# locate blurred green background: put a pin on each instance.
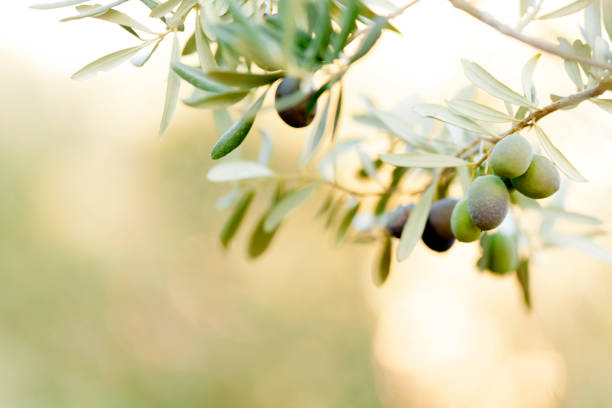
(116, 292)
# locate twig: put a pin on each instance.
(534, 42)
(570, 100)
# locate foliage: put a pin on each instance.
(244, 47)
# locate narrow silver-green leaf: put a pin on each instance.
(164, 8)
(235, 219)
(236, 134)
(482, 79)
(229, 199)
(522, 275)
(368, 165)
(56, 4)
(140, 59)
(605, 104)
(265, 151)
(558, 158)
(207, 60)
(316, 134)
(527, 78)
(415, 225)
(173, 88)
(95, 11)
(285, 206)
(198, 78)
(116, 17)
(384, 262)
(582, 244)
(371, 37)
(606, 9)
(422, 160)
(238, 170)
(216, 101)
(524, 6)
(107, 62)
(445, 115)
(243, 80)
(478, 111)
(346, 222)
(571, 8)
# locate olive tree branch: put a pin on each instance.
(516, 34)
(570, 100)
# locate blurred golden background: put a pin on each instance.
(117, 293)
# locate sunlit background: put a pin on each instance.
(116, 291)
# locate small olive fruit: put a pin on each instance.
(487, 202)
(511, 156)
(501, 254)
(541, 179)
(438, 234)
(397, 219)
(298, 115)
(462, 225)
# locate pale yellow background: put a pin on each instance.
(116, 293)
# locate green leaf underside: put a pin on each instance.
(243, 80)
(482, 79)
(106, 63)
(384, 262)
(285, 206)
(571, 8)
(558, 158)
(216, 100)
(238, 170)
(235, 219)
(172, 91)
(236, 134)
(346, 222)
(196, 77)
(413, 229)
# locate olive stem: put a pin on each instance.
(570, 100)
(518, 35)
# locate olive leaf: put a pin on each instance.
(415, 225)
(164, 8)
(95, 11)
(368, 41)
(482, 79)
(243, 80)
(606, 8)
(346, 222)
(522, 275)
(107, 62)
(527, 78)
(236, 134)
(198, 78)
(116, 17)
(445, 115)
(57, 4)
(384, 262)
(140, 59)
(216, 100)
(285, 206)
(260, 238)
(347, 24)
(238, 170)
(478, 111)
(558, 158)
(172, 90)
(233, 223)
(605, 104)
(422, 159)
(571, 8)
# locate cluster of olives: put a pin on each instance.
(486, 205)
(299, 115)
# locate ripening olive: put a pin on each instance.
(462, 225)
(397, 219)
(300, 114)
(487, 202)
(541, 179)
(501, 254)
(511, 156)
(438, 234)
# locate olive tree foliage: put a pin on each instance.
(247, 47)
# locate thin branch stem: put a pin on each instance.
(570, 100)
(516, 34)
